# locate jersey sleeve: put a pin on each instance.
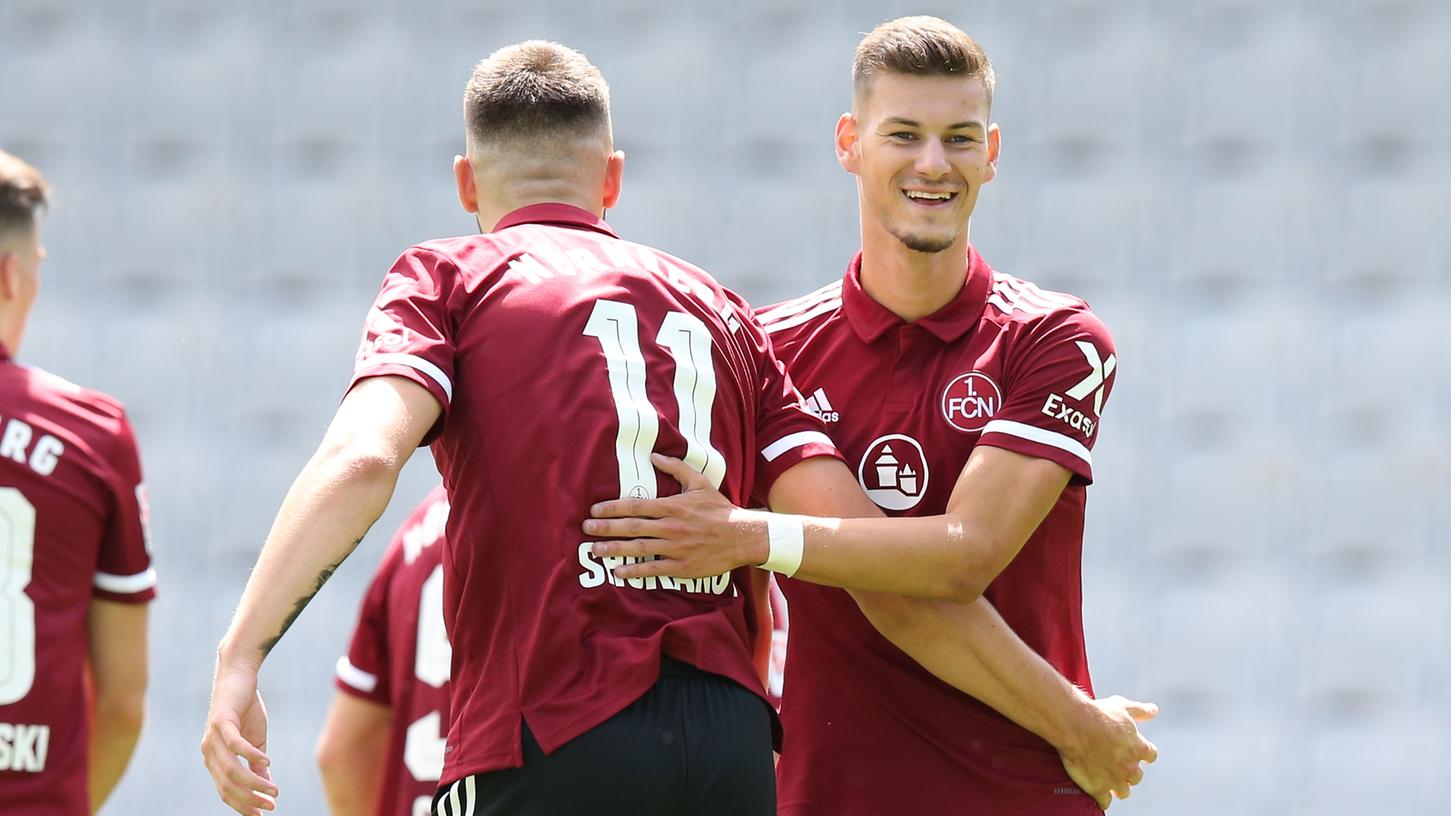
(787, 432)
(1057, 392)
(409, 329)
(363, 670)
(124, 571)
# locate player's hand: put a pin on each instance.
(696, 534)
(237, 727)
(1105, 761)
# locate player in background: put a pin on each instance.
(381, 749)
(964, 398)
(75, 571)
(544, 361)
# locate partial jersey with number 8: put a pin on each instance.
(562, 356)
(72, 528)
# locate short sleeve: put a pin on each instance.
(363, 670)
(1060, 383)
(787, 432)
(409, 329)
(124, 571)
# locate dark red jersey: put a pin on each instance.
(562, 356)
(72, 529)
(868, 731)
(399, 657)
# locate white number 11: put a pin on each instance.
(617, 327)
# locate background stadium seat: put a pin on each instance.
(1251, 195)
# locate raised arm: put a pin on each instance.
(118, 658)
(339, 494)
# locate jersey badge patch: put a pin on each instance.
(970, 400)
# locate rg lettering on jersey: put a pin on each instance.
(42, 457)
(23, 747)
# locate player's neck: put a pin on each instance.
(10, 334)
(912, 285)
(492, 212)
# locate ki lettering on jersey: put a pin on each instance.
(819, 405)
(970, 400)
(23, 747)
(599, 572)
(16, 444)
(893, 472)
(1099, 370)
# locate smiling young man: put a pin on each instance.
(965, 399)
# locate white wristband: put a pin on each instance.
(787, 541)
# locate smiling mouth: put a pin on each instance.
(923, 198)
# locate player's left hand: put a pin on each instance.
(237, 728)
(696, 534)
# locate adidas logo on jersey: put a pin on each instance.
(819, 405)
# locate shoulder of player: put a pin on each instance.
(1022, 305)
(101, 409)
(460, 250)
(785, 319)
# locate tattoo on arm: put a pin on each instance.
(303, 601)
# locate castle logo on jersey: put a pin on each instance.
(970, 400)
(893, 472)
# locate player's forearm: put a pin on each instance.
(936, 557)
(970, 647)
(328, 510)
(114, 732)
(350, 780)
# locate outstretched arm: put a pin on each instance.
(339, 494)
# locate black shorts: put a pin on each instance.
(696, 744)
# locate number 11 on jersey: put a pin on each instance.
(616, 326)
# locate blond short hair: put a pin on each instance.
(920, 46)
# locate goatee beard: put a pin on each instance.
(926, 244)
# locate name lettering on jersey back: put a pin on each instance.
(42, 457)
(598, 573)
(23, 747)
(545, 262)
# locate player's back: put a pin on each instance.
(399, 657)
(564, 356)
(70, 531)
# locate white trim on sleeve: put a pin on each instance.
(416, 363)
(126, 584)
(792, 441)
(1032, 433)
(356, 677)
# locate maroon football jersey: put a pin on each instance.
(868, 731)
(72, 528)
(562, 356)
(399, 657)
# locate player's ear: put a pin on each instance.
(848, 145)
(614, 178)
(994, 149)
(463, 176)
